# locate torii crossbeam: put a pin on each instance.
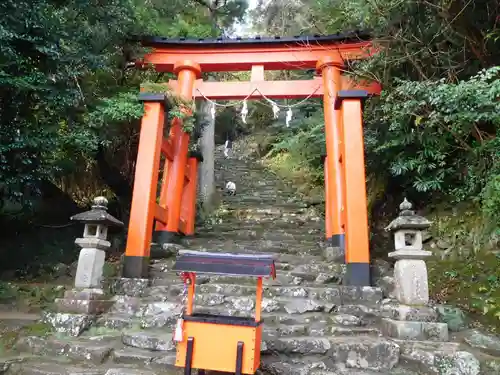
(173, 206)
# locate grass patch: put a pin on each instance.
(471, 283)
(9, 336)
(465, 269)
(30, 297)
(306, 180)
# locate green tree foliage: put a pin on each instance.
(67, 98)
(435, 128)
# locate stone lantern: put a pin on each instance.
(410, 317)
(410, 270)
(81, 305)
(94, 242)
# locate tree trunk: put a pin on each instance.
(207, 147)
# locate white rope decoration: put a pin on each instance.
(289, 115)
(212, 110)
(244, 110)
(276, 110)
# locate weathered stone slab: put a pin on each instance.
(346, 320)
(486, 342)
(246, 304)
(126, 305)
(57, 369)
(130, 287)
(407, 330)
(128, 371)
(116, 321)
(305, 345)
(165, 361)
(41, 345)
(365, 352)
(84, 294)
(132, 356)
(149, 340)
(71, 324)
(301, 306)
(453, 316)
(80, 306)
(409, 313)
(95, 352)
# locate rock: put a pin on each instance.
(410, 313)
(304, 345)
(159, 321)
(442, 244)
(130, 287)
(96, 352)
(128, 371)
(211, 299)
(486, 342)
(346, 320)
(458, 363)
(270, 305)
(406, 330)
(365, 352)
(156, 308)
(325, 278)
(246, 304)
(491, 367)
(387, 284)
(149, 340)
(334, 254)
(453, 316)
(72, 324)
(438, 358)
(302, 306)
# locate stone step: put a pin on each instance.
(156, 340)
(291, 247)
(156, 360)
(247, 304)
(152, 340)
(298, 365)
(158, 269)
(158, 365)
(94, 350)
(265, 232)
(236, 203)
(164, 315)
(319, 273)
(280, 259)
(283, 278)
(355, 352)
(332, 294)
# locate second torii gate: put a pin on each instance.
(345, 187)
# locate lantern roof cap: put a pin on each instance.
(98, 214)
(408, 219)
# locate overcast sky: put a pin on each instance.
(243, 29)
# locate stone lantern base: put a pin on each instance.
(77, 310)
(412, 323)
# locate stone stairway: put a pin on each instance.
(314, 325)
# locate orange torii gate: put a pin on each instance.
(173, 208)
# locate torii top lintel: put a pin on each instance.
(240, 54)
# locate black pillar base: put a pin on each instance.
(357, 274)
(136, 267)
(337, 241)
(189, 356)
